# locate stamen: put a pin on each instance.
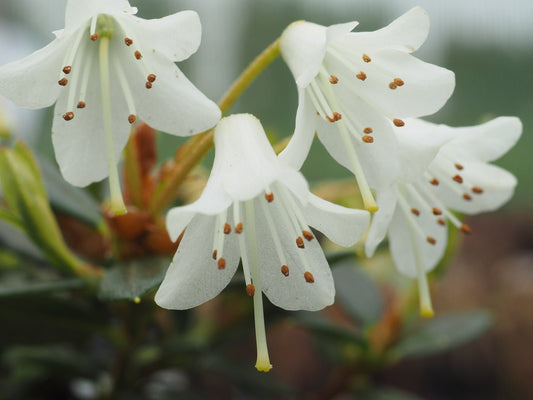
(148, 85)
(431, 240)
(269, 197)
(273, 233)
(336, 117)
(151, 78)
(367, 139)
(393, 85)
(117, 203)
(434, 181)
(398, 122)
(437, 211)
(250, 290)
(67, 70)
(238, 228)
(399, 81)
(126, 91)
(132, 118)
(308, 235)
(68, 116)
(92, 29)
(361, 76)
(227, 228)
(366, 58)
(215, 254)
(221, 263)
(218, 237)
(465, 229)
(368, 130)
(81, 104)
(242, 244)
(309, 278)
(128, 41)
(63, 82)
(467, 197)
(458, 178)
(333, 80)
(441, 221)
(138, 54)
(94, 37)
(87, 68)
(415, 211)
(285, 270)
(300, 242)
(477, 190)
(458, 166)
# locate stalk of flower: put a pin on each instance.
(134, 62)
(351, 85)
(259, 210)
(441, 169)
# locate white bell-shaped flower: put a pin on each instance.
(256, 209)
(352, 84)
(106, 69)
(441, 169)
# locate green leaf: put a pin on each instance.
(129, 280)
(322, 326)
(443, 333)
(11, 218)
(67, 198)
(357, 293)
(385, 394)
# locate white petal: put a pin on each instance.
(175, 36)
(304, 132)
(409, 247)
(32, 81)
(173, 104)
(386, 200)
(339, 31)
(303, 47)
(418, 144)
(193, 277)
(485, 142)
(379, 160)
(244, 156)
(344, 226)
(212, 201)
(497, 185)
(406, 33)
(79, 144)
(78, 12)
(291, 292)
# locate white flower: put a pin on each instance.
(441, 168)
(256, 209)
(351, 84)
(104, 70)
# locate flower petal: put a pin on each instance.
(175, 36)
(418, 144)
(193, 277)
(291, 292)
(344, 226)
(79, 144)
(386, 200)
(78, 12)
(485, 142)
(244, 156)
(406, 33)
(303, 47)
(408, 239)
(304, 132)
(497, 187)
(32, 81)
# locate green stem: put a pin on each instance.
(198, 146)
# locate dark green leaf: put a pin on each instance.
(357, 293)
(443, 333)
(21, 287)
(322, 326)
(129, 280)
(385, 394)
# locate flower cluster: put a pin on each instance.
(360, 92)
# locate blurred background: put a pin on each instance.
(487, 44)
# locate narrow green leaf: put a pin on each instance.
(129, 280)
(19, 288)
(443, 333)
(357, 293)
(11, 218)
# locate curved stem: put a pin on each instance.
(192, 152)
